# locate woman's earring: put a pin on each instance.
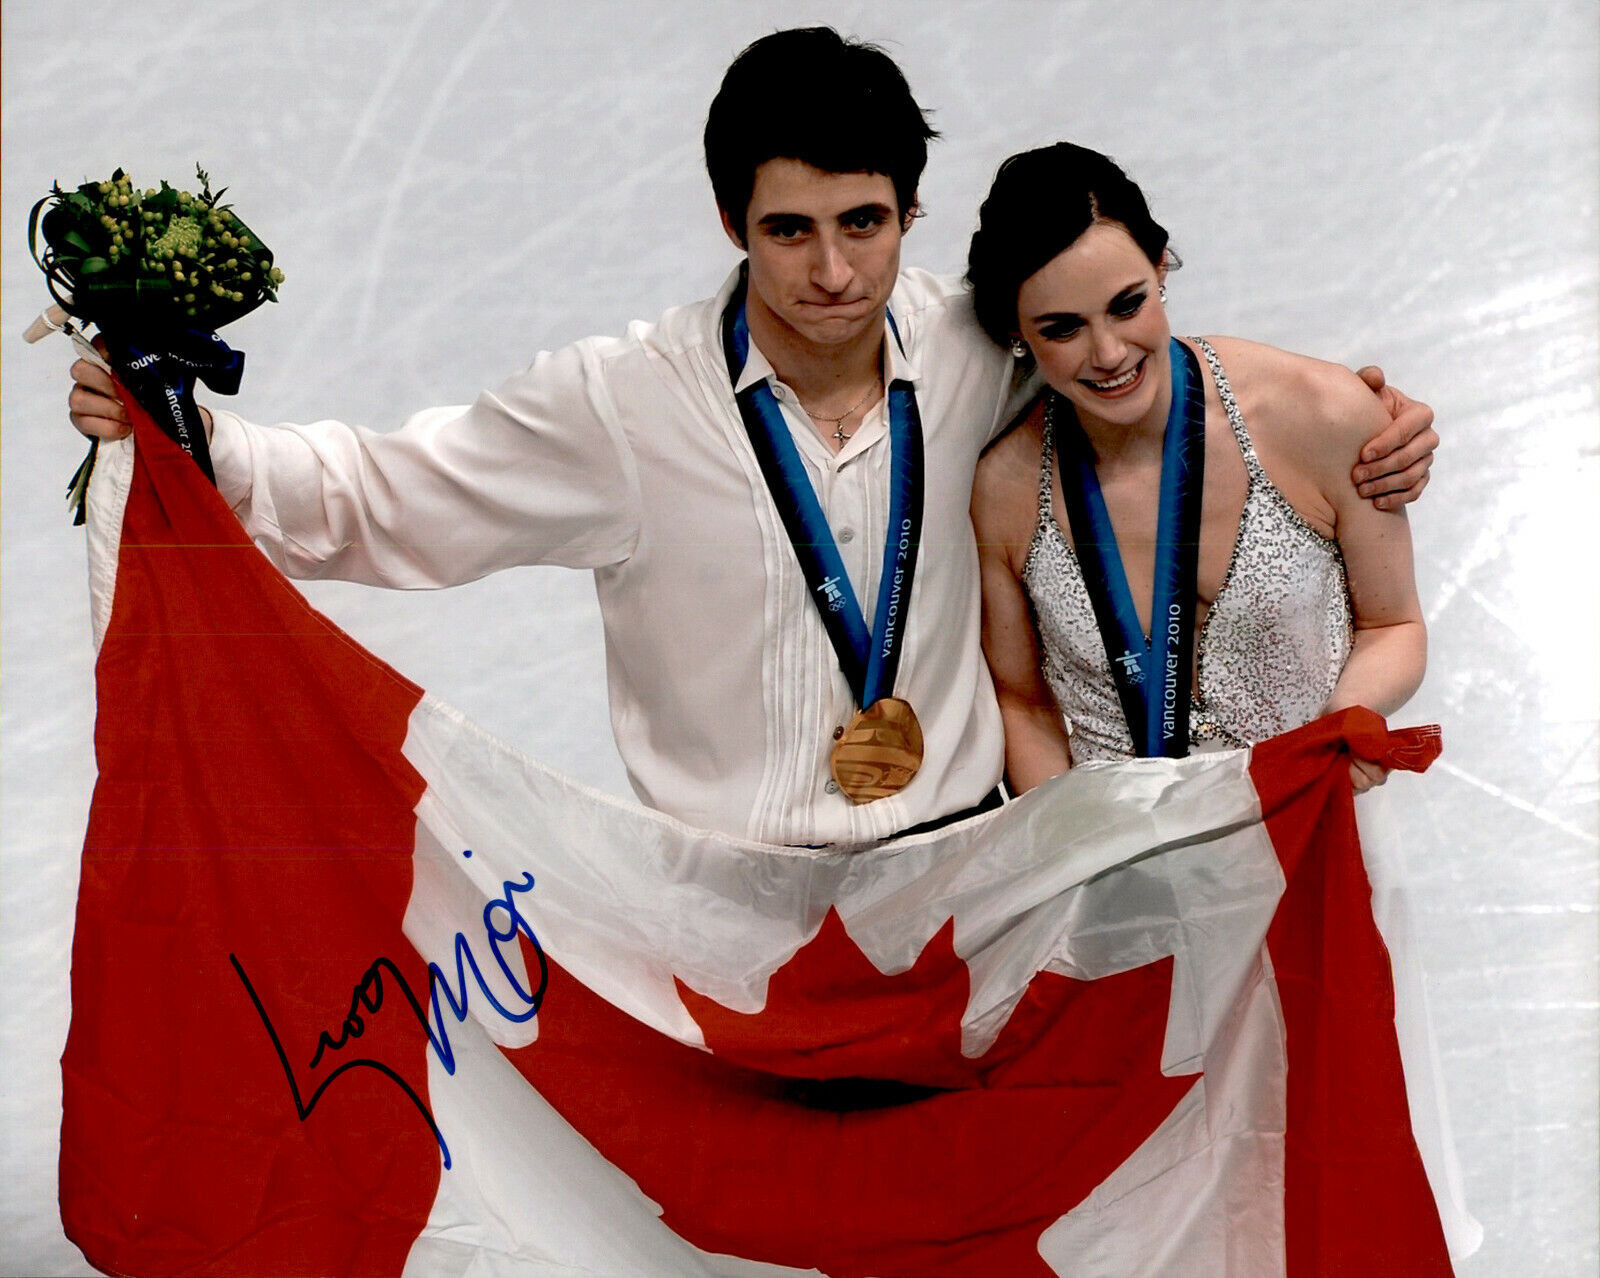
(1161, 292)
(1019, 348)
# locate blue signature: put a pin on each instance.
(502, 923)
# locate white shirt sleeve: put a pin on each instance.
(537, 471)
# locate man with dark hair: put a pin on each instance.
(859, 117)
(771, 485)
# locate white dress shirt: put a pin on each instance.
(628, 456)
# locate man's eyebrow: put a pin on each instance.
(774, 219)
(874, 207)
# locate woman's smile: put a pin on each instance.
(1121, 384)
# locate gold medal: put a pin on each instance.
(879, 751)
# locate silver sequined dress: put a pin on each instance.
(1271, 648)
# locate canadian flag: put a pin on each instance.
(358, 989)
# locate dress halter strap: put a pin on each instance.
(1046, 477)
(1252, 463)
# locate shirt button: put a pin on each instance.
(781, 392)
(832, 787)
(847, 535)
(837, 733)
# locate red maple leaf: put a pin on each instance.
(842, 1128)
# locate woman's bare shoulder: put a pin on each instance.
(1014, 457)
(1005, 488)
(1313, 413)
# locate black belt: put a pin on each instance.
(994, 799)
(988, 803)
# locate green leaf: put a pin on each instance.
(139, 286)
(78, 486)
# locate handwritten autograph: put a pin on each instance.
(502, 923)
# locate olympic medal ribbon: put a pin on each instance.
(889, 738)
(870, 661)
(1151, 673)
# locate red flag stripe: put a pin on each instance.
(252, 802)
(1357, 1200)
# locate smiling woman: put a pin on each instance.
(1250, 538)
(1171, 559)
(1098, 358)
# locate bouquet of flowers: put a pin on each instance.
(157, 272)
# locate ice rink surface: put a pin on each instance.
(451, 187)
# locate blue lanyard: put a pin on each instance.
(869, 659)
(1151, 673)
